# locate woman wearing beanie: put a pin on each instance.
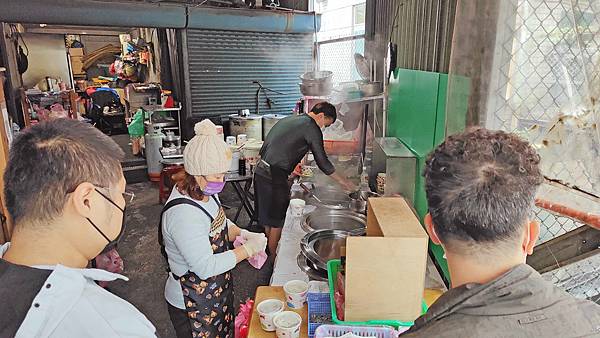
(196, 235)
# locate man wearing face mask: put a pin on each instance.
(481, 186)
(195, 234)
(65, 192)
(285, 146)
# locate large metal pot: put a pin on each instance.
(322, 246)
(371, 88)
(269, 121)
(317, 76)
(316, 89)
(250, 125)
(329, 219)
(317, 83)
(313, 272)
(358, 200)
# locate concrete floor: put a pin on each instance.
(145, 266)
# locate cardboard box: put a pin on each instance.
(385, 271)
(76, 51)
(77, 65)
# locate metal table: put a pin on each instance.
(245, 195)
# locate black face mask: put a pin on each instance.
(111, 243)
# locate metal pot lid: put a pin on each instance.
(313, 274)
(333, 219)
(362, 66)
(249, 117)
(274, 116)
(322, 246)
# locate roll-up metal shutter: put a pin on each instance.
(222, 65)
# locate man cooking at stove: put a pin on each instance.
(285, 146)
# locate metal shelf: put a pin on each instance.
(367, 98)
(359, 99)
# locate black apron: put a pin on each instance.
(209, 302)
(272, 195)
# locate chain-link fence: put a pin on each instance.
(553, 225)
(544, 86)
(579, 279)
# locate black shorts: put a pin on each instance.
(272, 197)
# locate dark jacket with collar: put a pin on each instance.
(519, 303)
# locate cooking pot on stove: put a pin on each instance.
(358, 200)
(331, 197)
(331, 219)
(319, 247)
(310, 269)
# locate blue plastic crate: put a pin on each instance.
(318, 306)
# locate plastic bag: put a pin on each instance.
(110, 261)
(242, 320)
(340, 296)
(136, 127)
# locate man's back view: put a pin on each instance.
(481, 187)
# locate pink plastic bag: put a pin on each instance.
(111, 262)
(257, 261)
(242, 320)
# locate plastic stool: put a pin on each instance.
(165, 183)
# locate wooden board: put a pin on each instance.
(568, 248)
(385, 271)
(393, 217)
(276, 292)
(431, 295)
(385, 278)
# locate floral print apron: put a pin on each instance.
(209, 302)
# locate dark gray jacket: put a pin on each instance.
(520, 303)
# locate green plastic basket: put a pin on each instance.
(333, 266)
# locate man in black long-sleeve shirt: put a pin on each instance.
(285, 146)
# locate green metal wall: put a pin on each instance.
(417, 116)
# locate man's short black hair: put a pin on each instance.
(48, 160)
(326, 108)
(481, 186)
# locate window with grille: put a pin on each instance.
(341, 36)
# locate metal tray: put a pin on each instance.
(312, 271)
(332, 219)
(322, 246)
